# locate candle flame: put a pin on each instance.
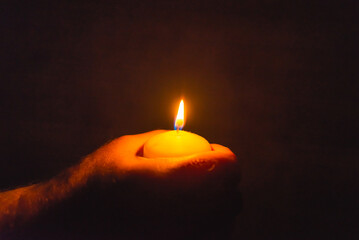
(179, 123)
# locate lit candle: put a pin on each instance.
(176, 143)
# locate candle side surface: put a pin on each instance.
(175, 144)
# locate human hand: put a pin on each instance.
(124, 156)
(164, 183)
(175, 193)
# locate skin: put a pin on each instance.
(118, 158)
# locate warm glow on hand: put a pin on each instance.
(125, 155)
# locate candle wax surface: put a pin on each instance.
(175, 144)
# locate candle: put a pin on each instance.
(176, 143)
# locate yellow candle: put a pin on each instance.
(175, 143)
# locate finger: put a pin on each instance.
(230, 161)
(130, 144)
(133, 144)
(220, 148)
(143, 137)
(124, 147)
(221, 159)
(219, 154)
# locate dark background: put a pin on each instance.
(273, 80)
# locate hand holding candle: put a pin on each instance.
(124, 155)
(176, 180)
(162, 151)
